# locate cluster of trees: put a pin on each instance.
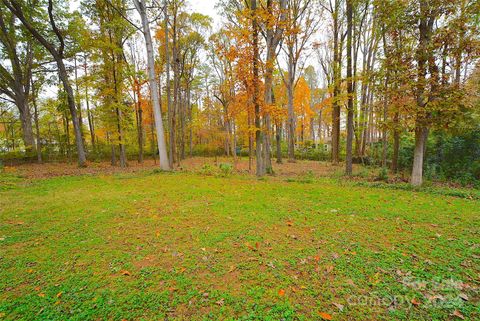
(131, 77)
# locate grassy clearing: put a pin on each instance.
(156, 246)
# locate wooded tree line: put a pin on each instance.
(351, 79)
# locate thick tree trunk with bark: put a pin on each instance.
(421, 134)
(73, 112)
(273, 38)
(26, 122)
(424, 57)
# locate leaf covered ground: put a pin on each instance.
(188, 246)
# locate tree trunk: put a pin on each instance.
(121, 143)
(77, 99)
(291, 112)
(423, 55)
(139, 118)
(273, 38)
(87, 103)
(162, 148)
(278, 136)
(26, 122)
(350, 93)
(396, 143)
(73, 111)
(37, 125)
(336, 90)
(260, 168)
(421, 134)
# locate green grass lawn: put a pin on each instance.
(180, 246)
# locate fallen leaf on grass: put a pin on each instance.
(59, 294)
(338, 306)
(250, 247)
(125, 272)
(457, 314)
(329, 268)
(42, 295)
(325, 316)
(415, 302)
(463, 296)
(290, 223)
(220, 302)
(436, 297)
(281, 292)
(232, 268)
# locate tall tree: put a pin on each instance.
(302, 23)
(15, 79)
(162, 148)
(350, 93)
(58, 54)
(275, 26)
(260, 169)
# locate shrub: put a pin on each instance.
(226, 169)
(207, 169)
(383, 174)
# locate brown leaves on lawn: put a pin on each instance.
(457, 314)
(281, 292)
(329, 268)
(251, 247)
(338, 306)
(415, 302)
(463, 296)
(125, 272)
